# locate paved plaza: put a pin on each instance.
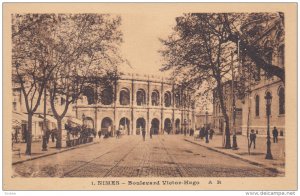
(130, 156)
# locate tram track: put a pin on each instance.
(94, 159)
(180, 169)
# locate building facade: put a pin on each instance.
(218, 122)
(271, 39)
(135, 103)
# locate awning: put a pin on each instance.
(75, 120)
(19, 118)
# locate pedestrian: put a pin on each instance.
(211, 134)
(53, 132)
(275, 135)
(252, 138)
(151, 131)
(144, 134)
(48, 133)
(202, 132)
(99, 134)
(206, 135)
(191, 132)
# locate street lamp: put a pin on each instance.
(206, 126)
(268, 98)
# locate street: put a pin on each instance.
(130, 156)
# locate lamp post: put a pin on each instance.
(268, 98)
(234, 142)
(206, 127)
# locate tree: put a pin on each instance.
(248, 29)
(30, 65)
(197, 52)
(91, 43)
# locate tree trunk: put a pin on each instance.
(29, 135)
(59, 133)
(226, 118)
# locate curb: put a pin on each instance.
(53, 153)
(256, 163)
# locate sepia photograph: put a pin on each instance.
(130, 96)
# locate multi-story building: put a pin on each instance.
(271, 39)
(135, 103)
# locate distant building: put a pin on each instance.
(202, 119)
(138, 102)
(218, 122)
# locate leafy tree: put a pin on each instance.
(30, 63)
(91, 43)
(197, 52)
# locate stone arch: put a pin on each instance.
(141, 97)
(140, 125)
(155, 98)
(124, 125)
(90, 95)
(124, 96)
(167, 99)
(89, 122)
(281, 100)
(168, 125)
(107, 96)
(106, 125)
(155, 126)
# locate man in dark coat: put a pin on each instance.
(202, 132)
(252, 138)
(99, 134)
(144, 134)
(211, 133)
(275, 135)
(206, 135)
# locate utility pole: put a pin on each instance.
(234, 142)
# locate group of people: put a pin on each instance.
(253, 137)
(207, 133)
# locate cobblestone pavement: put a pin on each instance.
(162, 156)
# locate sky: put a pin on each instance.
(141, 33)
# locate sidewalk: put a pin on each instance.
(256, 157)
(36, 150)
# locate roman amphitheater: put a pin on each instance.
(142, 102)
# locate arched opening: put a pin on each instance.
(140, 125)
(124, 96)
(167, 99)
(257, 105)
(281, 101)
(107, 96)
(177, 100)
(89, 122)
(155, 98)
(177, 125)
(125, 125)
(106, 125)
(140, 97)
(155, 126)
(281, 56)
(90, 95)
(168, 125)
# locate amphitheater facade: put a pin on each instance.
(136, 102)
